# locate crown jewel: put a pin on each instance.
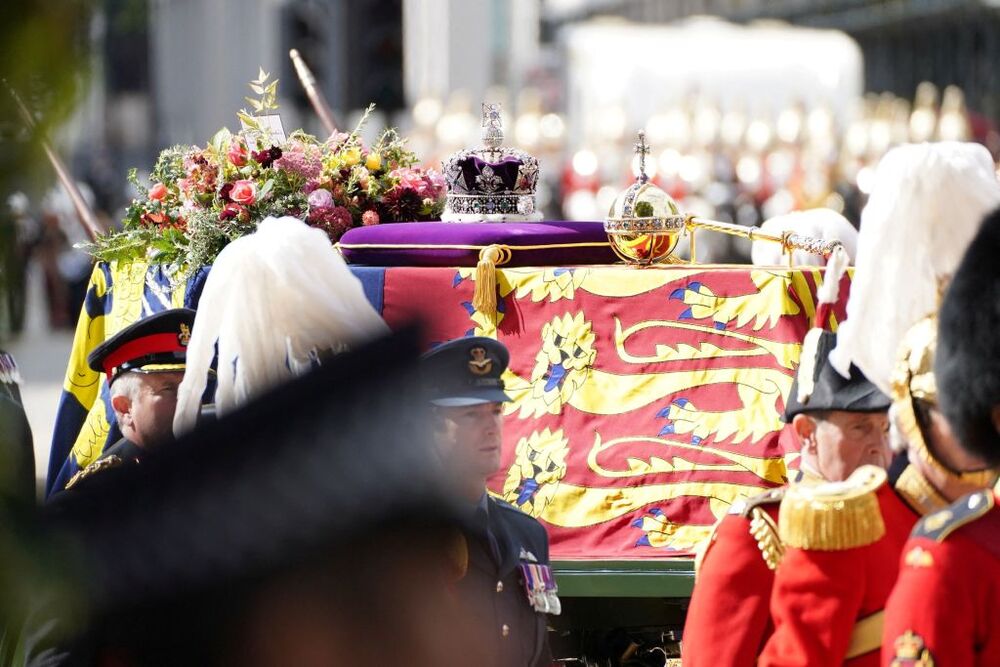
(491, 183)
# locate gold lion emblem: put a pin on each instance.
(184, 337)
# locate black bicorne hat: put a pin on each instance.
(819, 387)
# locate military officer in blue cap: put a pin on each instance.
(506, 577)
(143, 364)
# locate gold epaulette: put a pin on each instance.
(941, 524)
(834, 515)
(762, 528)
(97, 466)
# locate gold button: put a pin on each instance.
(499, 587)
(505, 630)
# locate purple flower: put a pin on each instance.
(267, 156)
(320, 198)
(304, 161)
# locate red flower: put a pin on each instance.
(158, 192)
(233, 212)
(153, 219)
(243, 192)
(267, 156)
(369, 218)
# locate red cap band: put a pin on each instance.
(142, 347)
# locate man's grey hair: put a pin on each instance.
(127, 384)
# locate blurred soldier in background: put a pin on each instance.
(17, 474)
(310, 527)
(945, 608)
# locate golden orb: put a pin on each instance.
(644, 225)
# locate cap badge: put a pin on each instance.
(911, 651)
(184, 337)
(480, 364)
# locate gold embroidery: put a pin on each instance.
(97, 466)
(918, 492)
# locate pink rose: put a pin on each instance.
(158, 192)
(237, 153)
(320, 198)
(369, 218)
(244, 192)
(436, 180)
(409, 179)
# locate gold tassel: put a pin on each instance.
(833, 516)
(485, 296)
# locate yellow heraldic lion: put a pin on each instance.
(548, 283)
(755, 418)
(539, 464)
(772, 289)
(660, 533)
(562, 366)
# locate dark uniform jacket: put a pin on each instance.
(122, 454)
(500, 539)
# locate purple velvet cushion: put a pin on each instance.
(551, 243)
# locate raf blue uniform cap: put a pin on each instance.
(465, 371)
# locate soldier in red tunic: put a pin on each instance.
(945, 607)
(843, 540)
(841, 424)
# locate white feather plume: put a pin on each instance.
(927, 202)
(272, 299)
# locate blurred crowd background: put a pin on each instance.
(752, 108)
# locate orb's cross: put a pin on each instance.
(642, 150)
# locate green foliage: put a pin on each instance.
(267, 101)
(201, 199)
